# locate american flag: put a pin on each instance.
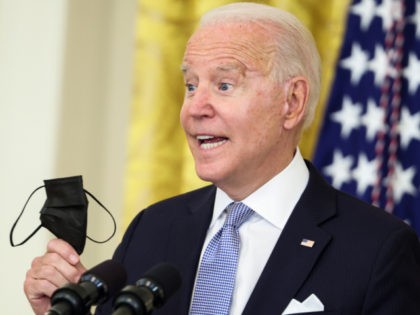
(369, 143)
(307, 243)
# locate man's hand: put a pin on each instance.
(58, 266)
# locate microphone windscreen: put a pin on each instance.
(109, 273)
(167, 276)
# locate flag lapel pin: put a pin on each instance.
(307, 243)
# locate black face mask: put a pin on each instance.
(64, 213)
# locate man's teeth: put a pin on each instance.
(202, 138)
(210, 142)
(212, 145)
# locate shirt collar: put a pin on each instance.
(276, 199)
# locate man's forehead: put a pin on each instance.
(231, 46)
(232, 27)
(243, 33)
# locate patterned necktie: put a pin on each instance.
(216, 275)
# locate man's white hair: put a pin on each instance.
(297, 53)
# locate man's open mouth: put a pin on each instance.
(209, 142)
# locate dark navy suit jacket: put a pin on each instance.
(363, 261)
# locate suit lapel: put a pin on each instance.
(290, 262)
(186, 240)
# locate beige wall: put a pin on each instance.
(65, 90)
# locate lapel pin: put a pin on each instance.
(307, 243)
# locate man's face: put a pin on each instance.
(233, 111)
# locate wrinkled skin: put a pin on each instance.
(58, 266)
(241, 124)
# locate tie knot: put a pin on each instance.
(237, 213)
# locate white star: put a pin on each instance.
(366, 10)
(373, 120)
(388, 11)
(379, 65)
(409, 127)
(412, 73)
(348, 116)
(339, 170)
(356, 63)
(364, 174)
(402, 182)
(415, 19)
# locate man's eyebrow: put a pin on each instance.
(222, 68)
(184, 68)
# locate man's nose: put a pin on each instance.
(201, 103)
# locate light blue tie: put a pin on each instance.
(216, 275)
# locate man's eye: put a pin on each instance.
(190, 87)
(224, 86)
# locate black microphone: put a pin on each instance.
(150, 292)
(94, 287)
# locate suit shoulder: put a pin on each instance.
(367, 221)
(180, 203)
(350, 210)
(185, 198)
(347, 213)
(365, 210)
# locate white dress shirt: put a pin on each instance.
(273, 203)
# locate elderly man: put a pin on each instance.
(270, 236)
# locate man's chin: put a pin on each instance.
(208, 174)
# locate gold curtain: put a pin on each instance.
(159, 164)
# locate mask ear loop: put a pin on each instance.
(18, 218)
(36, 229)
(110, 214)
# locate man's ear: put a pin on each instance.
(297, 93)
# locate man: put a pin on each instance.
(252, 81)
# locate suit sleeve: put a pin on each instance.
(394, 287)
(106, 307)
(121, 250)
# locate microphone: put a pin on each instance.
(94, 287)
(150, 292)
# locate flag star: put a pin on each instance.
(402, 182)
(412, 73)
(364, 173)
(379, 65)
(388, 11)
(415, 18)
(373, 120)
(366, 10)
(339, 169)
(356, 63)
(409, 127)
(348, 116)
